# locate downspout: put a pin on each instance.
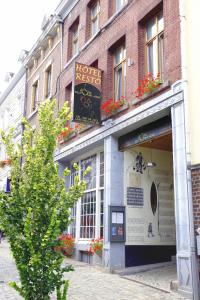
(184, 73)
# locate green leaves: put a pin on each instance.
(37, 209)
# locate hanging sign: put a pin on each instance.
(87, 94)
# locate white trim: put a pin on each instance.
(42, 62)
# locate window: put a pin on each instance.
(154, 45)
(34, 96)
(91, 222)
(48, 74)
(72, 228)
(75, 37)
(95, 10)
(119, 72)
(119, 4)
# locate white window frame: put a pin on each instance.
(119, 4)
(75, 40)
(121, 64)
(34, 96)
(154, 40)
(97, 190)
(94, 18)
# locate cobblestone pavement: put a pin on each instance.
(159, 278)
(86, 282)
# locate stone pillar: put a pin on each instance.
(114, 252)
(185, 240)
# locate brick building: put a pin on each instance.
(43, 65)
(138, 195)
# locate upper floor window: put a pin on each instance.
(48, 76)
(75, 39)
(119, 72)
(155, 45)
(34, 96)
(119, 4)
(95, 11)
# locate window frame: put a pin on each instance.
(118, 6)
(159, 68)
(97, 190)
(34, 96)
(116, 67)
(48, 82)
(94, 18)
(75, 39)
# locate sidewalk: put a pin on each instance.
(86, 282)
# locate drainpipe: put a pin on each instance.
(184, 73)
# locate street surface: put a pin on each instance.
(86, 283)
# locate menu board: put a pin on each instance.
(135, 196)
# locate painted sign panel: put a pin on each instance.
(145, 133)
(87, 94)
(135, 196)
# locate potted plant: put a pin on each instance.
(65, 244)
(110, 107)
(147, 85)
(96, 246)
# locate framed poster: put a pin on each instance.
(117, 223)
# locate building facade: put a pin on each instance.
(145, 167)
(12, 103)
(139, 194)
(43, 65)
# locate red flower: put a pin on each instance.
(147, 85)
(110, 106)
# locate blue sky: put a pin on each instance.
(20, 23)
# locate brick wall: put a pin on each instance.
(52, 56)
(127, 24)
(196, 195)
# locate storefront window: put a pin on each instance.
(88, 215)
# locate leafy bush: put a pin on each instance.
(36, 211)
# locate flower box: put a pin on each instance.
(163, 86)
(147, 85)
(111, 107)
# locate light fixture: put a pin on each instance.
(150, 164)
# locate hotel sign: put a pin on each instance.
(87, 94)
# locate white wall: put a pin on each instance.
(138, 218)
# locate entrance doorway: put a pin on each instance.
(150, 213)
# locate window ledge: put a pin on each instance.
(33, 113)
(165, 85)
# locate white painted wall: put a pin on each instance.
(11, 112)
(138, 218)
(192, 50)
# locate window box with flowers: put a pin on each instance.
(149, 86)
(65, 245)
(96, 247)
(95, 250)
(111, 107)
(70, 130)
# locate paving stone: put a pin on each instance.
(86, 282)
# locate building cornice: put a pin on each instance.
(47, 32)
(12, 84)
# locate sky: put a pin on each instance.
(20, 27)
